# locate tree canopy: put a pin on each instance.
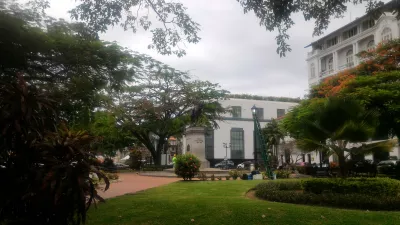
(171, 25)
(164, 101)
(338, 126)
(375, 82)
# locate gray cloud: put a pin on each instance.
(234, 51)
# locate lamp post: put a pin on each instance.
(226, 146)
(254, 111)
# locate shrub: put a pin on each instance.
(366, 186)
(235, 174)
(244, 176)
(352, 201)
(187, 166)
(213, 177)
(227, 177)
(219, 178)
(285, 185)
(282, 174)
(108, 163)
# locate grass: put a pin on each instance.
(220, 202)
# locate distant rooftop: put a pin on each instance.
(264, 98)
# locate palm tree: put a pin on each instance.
(273, 136)
(335, 126)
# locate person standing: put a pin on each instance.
(174, 161)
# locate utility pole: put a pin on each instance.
(226, 146)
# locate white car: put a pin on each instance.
(240, 166)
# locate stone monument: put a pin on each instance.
(195, 144)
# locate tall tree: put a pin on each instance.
(66, 59)
(375, 82)
(273, 136)
(174, 26)
(334, 126)
(164, 102)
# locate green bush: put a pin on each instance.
(235, 174)
(187, 166)
(244, 176)
(228, 177)
(366, 186)
(213, 177)
(219, 178)
(351, 201)
(283, 185)
(282, 174)
(301, 169)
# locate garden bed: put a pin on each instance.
(362, 193)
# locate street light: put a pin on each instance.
(226, 146)
(254, 110)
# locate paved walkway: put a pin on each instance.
(131, 183)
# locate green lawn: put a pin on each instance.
(220, 202)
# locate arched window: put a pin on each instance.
(370, 45)
(312, 70)
(330, 65)
(386, 34)
(349, 58)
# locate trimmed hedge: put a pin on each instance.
(155, 168)
(291, 192)
(365, 186)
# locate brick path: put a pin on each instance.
(131, 182)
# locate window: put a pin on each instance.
(237, 143)
(368, 24)
(332, 42)
(312, 68)
(260, 113)
(280, 113)
(330, 65)
(209, 143)
(236, 111)
(386, 34)
(349, 58)
(350, 33)
(370, 45)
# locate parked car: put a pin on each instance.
(121, 166)
(388, 167)
(225, 164)
(244, 165)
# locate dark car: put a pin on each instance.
(388, 167)
(225, 164)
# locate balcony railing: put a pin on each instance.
(346, 66)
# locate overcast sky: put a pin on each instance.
(234, 51)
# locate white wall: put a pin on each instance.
(222, 135)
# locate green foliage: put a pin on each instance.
(274, 135)
(187, 166)
(235, 174)
(227, 177)
(244, 176)
(367, 186)
(315, 127)
(47, 164)
(135, 157)
(164, 102)
(358, 198)
(219, 178)
(282, 174)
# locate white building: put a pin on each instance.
(336, 51)
(237, 129)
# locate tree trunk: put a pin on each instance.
(342, 164)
